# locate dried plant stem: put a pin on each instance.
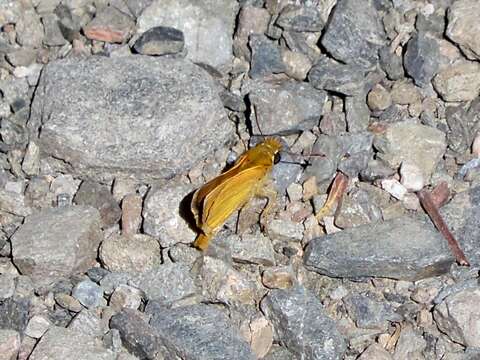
(432, 210)
(335, 195)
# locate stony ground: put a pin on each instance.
(113, 112)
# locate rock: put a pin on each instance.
(289, 106)
(160, 40)
(410, 345)
(422, 58)
(395, 146)
(253, 249)
(162, 214)
(132, 206)
(9, 344)
(460, 215)
(297, 65)
(110, 25)
(457, 316)
(59, 343)
(394, 188)
(10, 12)
(210, 335)
(7, 285)
(14, 203)
(357, 113)
(88, 322)
(375, 352)
(354, 33)
(29, 29)
(166, 283)
(357, 208)
(391, 63)
(368, 313)
(463, 27)
(137, 335)
(261, 336)
(57, 242)
(137, 6)
(98, 196)
(133, 253)
(266, 57)
(300, 19)
(53, 33)
(37, 326)
(184, 254)
(251, 20)
(286, 230)
(31, 160)
(68, 302)
(114, 279)
(88, 294)
(330, 75)
(403, 248)
(208, 26)
(301, 324)
(124, 100)
(405, 93)
(412, 177)
(379, 98)
(278, 278)
(22, 57)
(125, 296)
(458, 82)
(14, 314)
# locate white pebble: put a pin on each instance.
(394, 188)
(412, 177)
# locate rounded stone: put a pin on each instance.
(379, 98)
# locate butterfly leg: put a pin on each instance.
(270, 194)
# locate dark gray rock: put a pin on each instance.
(69, 23)
(57, 242)
(232, 101)
(160, 40)
(391, 63)
(422, 59)
(266, 57)
(369, 313)
(88, 293)
(330, 75)
(433, 23)
(300, 18)
(286, 107)
(199, 332)
(53, 34)
(404, 248)
(301, 324)
(137, 116)
(376, 169)
(14, 314)
(286, 172)
(461, 215)
(99, 197)
(354, 33)
(137, 335)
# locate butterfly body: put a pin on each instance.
(213, 203)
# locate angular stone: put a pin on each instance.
(300, 19)
(253, 249)
(10, 12)
(458, 82)
(37, 326)
(57, 242)
(405, 93)
(286, 230)
(59, 343)
(29, 29)
(88, 322)
(463, 26)
(14, 203)
(357, 113)
(266, 57)
(379, 98)
(162, 214)
(137, 6)
(289, 106)
(9, 344)
(375, 352)
(297, 65)
(278, 278)
(132, 206)
(330, 75)
(200, 332)
(160, 98)
(422, 59)
(98, 196)
(357, 208)
(133, 253)
(301, 324)
(208, 26)
(395, 146)
(88, 293)
(53, 34)
(160, 40)
(391, 63)
(7, 285)
(14, 314)
(125, 296)
(110, 25)
(166, 283)
(354, 33)
(404, 248)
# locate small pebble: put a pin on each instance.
(278, 278)
(394, 188)
(37, 326)
(412, 176)
(379, 98)
(88, 293)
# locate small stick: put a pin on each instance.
(432, 211)
(339, 186)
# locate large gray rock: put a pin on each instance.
(57, 242)
(200, 332)
(463, 26)
(301, 324)
(207, 26)
(404, 248)
(59, 343)
(135, 115)
(354, 33)
(459, 82)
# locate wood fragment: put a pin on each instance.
(335, 195)
(432, 210)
